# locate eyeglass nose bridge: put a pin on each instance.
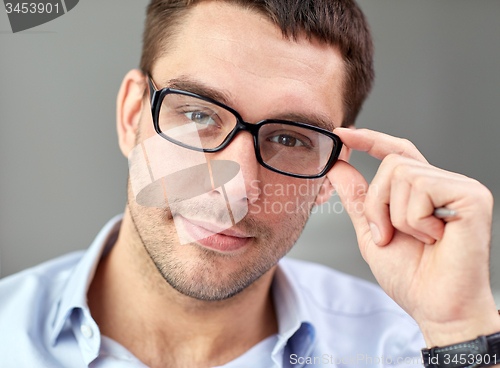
(243, 126)
(253, 129)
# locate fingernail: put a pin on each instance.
(375, 233)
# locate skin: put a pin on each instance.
(152, 295)
(438, 271)
(185, 314)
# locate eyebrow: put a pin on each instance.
(190, 85)
(317, 120)
(187, 84)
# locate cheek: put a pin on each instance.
(146, 127)
(285, 199)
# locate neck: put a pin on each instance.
(135, 306)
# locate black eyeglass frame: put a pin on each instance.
(156, 98)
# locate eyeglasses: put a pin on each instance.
(202, 124)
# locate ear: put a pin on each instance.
(327, 189)
(129, 106)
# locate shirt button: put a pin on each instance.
(86, 331)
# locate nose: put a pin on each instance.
(241, 150)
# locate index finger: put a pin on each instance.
(378, 145)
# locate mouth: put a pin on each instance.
(215, 237)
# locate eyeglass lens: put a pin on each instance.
(201, 124)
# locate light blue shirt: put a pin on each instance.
(325, 318)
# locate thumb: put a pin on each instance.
(351, 188)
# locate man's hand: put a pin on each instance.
(438, 271)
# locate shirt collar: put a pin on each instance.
(72, 304)
(296, 333)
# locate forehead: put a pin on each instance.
(242, 54)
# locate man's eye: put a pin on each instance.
(200, 117)
(286, 140)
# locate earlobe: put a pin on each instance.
(129, 107)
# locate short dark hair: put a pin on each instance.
(335, 22)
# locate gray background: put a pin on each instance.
(62, 175)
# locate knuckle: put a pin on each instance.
(400, 171)
(408, 147)
(391, 160)
(398, 216)
(412, 221)
(408, 144)
(399, 222)
(393, 157)
(358, 194)
(483, 193)
(420, 183)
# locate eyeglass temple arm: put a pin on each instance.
(152, 87)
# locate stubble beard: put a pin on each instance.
(202, 273)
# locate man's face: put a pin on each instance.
(244, 57)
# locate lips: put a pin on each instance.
(213, 236)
